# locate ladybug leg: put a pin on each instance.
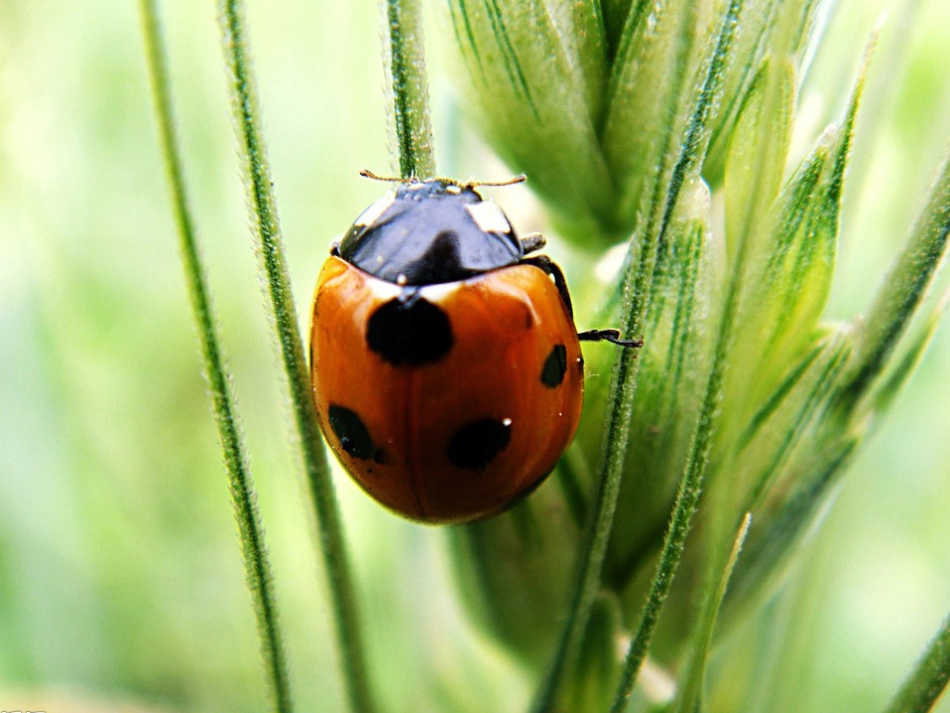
(608, 335)
(335, 248)
(532, 242)
(543, 262)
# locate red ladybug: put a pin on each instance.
(446, 368)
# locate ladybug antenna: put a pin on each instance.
(514, 180)
(366, 173)
(520, 178)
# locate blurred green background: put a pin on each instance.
(120, 577)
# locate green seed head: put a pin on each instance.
(668, 125)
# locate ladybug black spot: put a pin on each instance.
(476, 443)
(555, 366)
(352, 433)
(409, 330)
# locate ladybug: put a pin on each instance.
(446, 368)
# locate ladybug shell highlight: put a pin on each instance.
(449, 390)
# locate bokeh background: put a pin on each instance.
(121, 586)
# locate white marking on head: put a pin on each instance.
(371, 214)
(489, 217)
(453, 188)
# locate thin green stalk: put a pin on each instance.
(637, 283)
(684, 508)
(929, 679)
(604, 502)
(250, 530)
(333, 549)
(407, 74)
(687, 496)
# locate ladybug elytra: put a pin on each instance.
(446, 368)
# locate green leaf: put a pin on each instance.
(781, 519)
(589, 684)
(797, 274)
(513, 572)
(687, 165)
(790, 272)
(618, 15)
(582, 32)
(792, 453)
(789, 282)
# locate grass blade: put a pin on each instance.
(617, 16)
(281, 307)
(687, 502)
(798, 268)
(250, 529)
(637, 281)
(790, 273)
(927, 682)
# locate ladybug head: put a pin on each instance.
(429, 232)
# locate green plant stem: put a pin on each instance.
(407, 75)
(687, 496)
(929, 679)
(281, 304)
(603, 505)
(256, 564)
